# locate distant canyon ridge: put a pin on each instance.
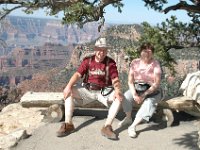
(32, 45)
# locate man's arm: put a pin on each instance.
(117, 87)
(67, 91)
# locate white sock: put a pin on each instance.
(112, 112)
(136, 121)
(69, 109)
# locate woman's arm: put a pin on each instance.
(157, 80)
(131, 84)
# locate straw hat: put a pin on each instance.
(101, 43)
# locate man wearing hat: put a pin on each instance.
(98, 72)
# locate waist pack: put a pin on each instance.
(104, 90)
(92, 86)
(142, 87)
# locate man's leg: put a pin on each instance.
(107, 130)
(69, 109)
(127, 105)
(112, 112)
(67, 127)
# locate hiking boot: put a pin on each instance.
(131, 132)
(126, 121)
(107, 131)
(65, 129)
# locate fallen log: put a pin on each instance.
(56, 112)
(182, 104)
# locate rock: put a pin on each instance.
(41, 99)
(198, 127)
(191, 86)
(14, 117)
(12, 139)
(47, 99)
(198, 143)
(17, 122)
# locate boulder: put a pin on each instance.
(198, 128)
(41, 99)
(14, 117)
(191, 86)
(47, 99)
(12, 139)
(17, 122)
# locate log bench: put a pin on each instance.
(55, 104)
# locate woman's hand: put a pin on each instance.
(138, 99)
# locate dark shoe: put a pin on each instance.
(65, 129)
(107, 131)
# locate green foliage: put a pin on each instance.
(123, 76)
(170, 34)
(178, 34)
(171, 90)
(78, 12)
(155, 4)
(119, 6)
(132, 52)
(84, 11)
(160, 42)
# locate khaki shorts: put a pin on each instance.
(88, 96)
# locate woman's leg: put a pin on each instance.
(145, 112)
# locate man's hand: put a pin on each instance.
(118, 95)
(117, 87)
(67, 92)
(68, 89)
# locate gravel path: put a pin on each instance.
(182, 136)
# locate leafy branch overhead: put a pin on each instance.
(84, 11)
(169, 36)
(187, 5)
(74, 11)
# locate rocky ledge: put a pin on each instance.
(17, 122)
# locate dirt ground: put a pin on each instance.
(151, 136)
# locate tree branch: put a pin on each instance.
(9, 11)
(184, 6)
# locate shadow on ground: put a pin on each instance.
(102, 114)
(188, 140)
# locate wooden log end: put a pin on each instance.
(55, 113)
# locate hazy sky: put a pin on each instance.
(133, 11)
